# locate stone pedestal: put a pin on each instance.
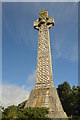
(47, 98)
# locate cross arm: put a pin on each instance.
(50, 22)
(47, 21)
(36, 24)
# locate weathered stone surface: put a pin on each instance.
(47, 98)
(45, 94)
(44, 77)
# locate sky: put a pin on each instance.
(20, 45)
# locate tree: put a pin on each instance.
(1, 110)
(33, 113)
(64, 91)
(70, 98)
(10, 112)
(13, 111)
(76, 101)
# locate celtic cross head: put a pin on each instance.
(44, 19)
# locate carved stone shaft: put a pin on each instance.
(44, 77)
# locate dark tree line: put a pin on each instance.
(70, 99)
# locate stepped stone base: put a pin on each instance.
(47, 97)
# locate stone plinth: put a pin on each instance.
(47, 98)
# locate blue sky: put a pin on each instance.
(20, 43)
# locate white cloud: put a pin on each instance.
(13, 94)
(65, 51)
(32, 77)
(31, 80)
(0, 94)
(73, 54)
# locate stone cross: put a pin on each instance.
(44, 77)
(44, 94)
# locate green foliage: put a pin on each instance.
(1, 108)
(33, 113)
(78, 100)
(70, 98)
(13, 112)
(10, 112)
(21, 105)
